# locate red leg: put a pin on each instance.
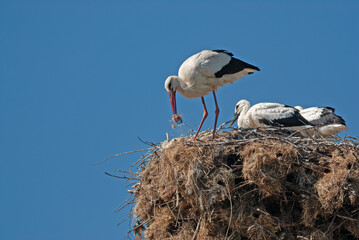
(205, 114)
(217, 113)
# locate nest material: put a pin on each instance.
(177, 118)
(250, 184)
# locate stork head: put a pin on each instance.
(171, 85)
(240, 106)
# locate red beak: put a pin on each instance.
(172, 95)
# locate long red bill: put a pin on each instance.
(172, 95)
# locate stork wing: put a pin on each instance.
(321, 116)
(216, 63)
(234, 66)
(211, 62)
(280, 115)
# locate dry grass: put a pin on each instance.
(249, 184)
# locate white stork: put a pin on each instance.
(270, 114)
(203, 73)
(327, 123)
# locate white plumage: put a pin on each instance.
(269, 114)
(203, 73)
(327, 123)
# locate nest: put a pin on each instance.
(249, 184)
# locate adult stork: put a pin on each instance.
(327, 123)
(270, 114)
(203, 73)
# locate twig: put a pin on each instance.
(330, 225)
(231, 213)
(128, 178)
(124, 204)
(197, 228)
(120, 154)
(147, 142)
(345, 217)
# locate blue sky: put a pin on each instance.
(81, 80)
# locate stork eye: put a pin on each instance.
(170, 86)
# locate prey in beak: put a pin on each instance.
(235, 117)
(175, 117)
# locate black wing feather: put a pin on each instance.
(223, 51)
(234, 66)
(330, 108)
(292, 121)
(328, 116)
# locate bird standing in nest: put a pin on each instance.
(203, 73)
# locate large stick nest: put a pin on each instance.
(249, 184)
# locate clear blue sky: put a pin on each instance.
(80, 80)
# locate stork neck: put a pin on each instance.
(242, 119)
(182, 85)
